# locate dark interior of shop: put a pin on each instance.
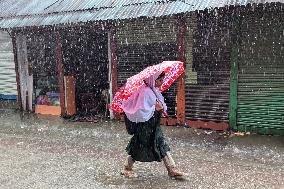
(85, 56)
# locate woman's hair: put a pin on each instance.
(150, 83)
(161, 75)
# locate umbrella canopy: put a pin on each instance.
(172, 69)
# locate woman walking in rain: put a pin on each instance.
(143, 110)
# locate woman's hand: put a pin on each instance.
(159, 106)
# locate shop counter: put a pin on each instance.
(48, 110)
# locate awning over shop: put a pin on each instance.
(24, 13)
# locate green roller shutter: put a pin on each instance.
(261, 74)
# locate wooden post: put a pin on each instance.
(70, 95)
(14, 42)
(113, 62)
(181, 29)
(60, 68)
(113, 59)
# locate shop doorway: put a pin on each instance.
(85, 57)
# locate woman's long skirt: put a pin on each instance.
(148, 142)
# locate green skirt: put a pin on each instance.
(148, 142)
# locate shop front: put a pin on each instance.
(85, 60)
(145, 42)
(43, 70)
(260, 71)
(73, 78)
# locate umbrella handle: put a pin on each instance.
(165, 114)
(159, 106)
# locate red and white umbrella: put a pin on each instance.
(172, 69)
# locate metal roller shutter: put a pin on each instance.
(143, 43)
(207, 87)
(261, 74)
(8, 84)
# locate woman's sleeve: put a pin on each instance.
(149, 99)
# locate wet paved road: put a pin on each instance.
(48, 152)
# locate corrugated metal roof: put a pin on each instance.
(21, 13)
(123, 12)
(9, 8)
(201, 5)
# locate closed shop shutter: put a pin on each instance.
(261, 73)
(8, 84)
(208, 69)
(145, 42)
